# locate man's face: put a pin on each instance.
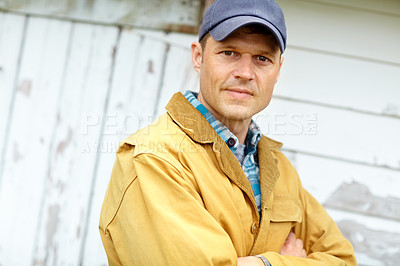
(238, 74)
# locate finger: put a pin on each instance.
(303, 253)
(291, 237)
(299, 244)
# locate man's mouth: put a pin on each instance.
(239, 93)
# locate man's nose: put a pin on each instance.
(244, 68)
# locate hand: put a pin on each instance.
(293, 247)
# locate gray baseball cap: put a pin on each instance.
(223, 17)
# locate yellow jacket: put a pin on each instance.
(178, 196)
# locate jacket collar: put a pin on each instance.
(193, 123)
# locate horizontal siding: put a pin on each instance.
(369, 234)
(340, 82)
(330, 132)
(343, 31)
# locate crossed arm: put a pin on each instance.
(170, 208)
(291, 247)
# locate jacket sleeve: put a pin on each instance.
(323, 241)
(161, 219)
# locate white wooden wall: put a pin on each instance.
(70, 91)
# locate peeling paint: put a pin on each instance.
(391, 109)
(364, 202)
(17, 155)
(58, 118)
(63, 144)
(383, 246)
(150, 67)
(51, 229)
(25, 87)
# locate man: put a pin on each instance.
(201, 185)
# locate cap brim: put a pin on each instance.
(227, 27)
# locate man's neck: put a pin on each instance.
(238, 128)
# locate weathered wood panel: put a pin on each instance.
(340, 82)
(182, 16)
(358, 193)
(325, 131)
(71, 166)
(323, 176)
(342, 30)
(33, 120)
(356, 197)
(11, 37)
(376, 241)
(135, 88)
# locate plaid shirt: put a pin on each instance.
(250, 164)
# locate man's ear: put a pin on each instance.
(197, 56)
(280, 66)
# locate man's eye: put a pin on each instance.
(228, 53)
(262, 58)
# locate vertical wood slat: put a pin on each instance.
(71, 166)
(32, 125)
(179, 76)
(139, 66)
(11, 37)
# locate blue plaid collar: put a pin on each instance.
(253, 135)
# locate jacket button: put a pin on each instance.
(231, 142)
(253, 228)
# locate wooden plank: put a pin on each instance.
(71, 167)
(376, 241)
(369, 217)
(33, 121)
(323, 177)
(356, 197)
(179, 76)
(354, 33)
(182, 16)
(333, 133)
(11, 36)
(337, 81)
(138, 72)
(390, 7)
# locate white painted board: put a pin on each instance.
(33, 121)
(71, 167)
(11, 37)
(376, 241)
(342, 30)
(331, 132)
(341, 82)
